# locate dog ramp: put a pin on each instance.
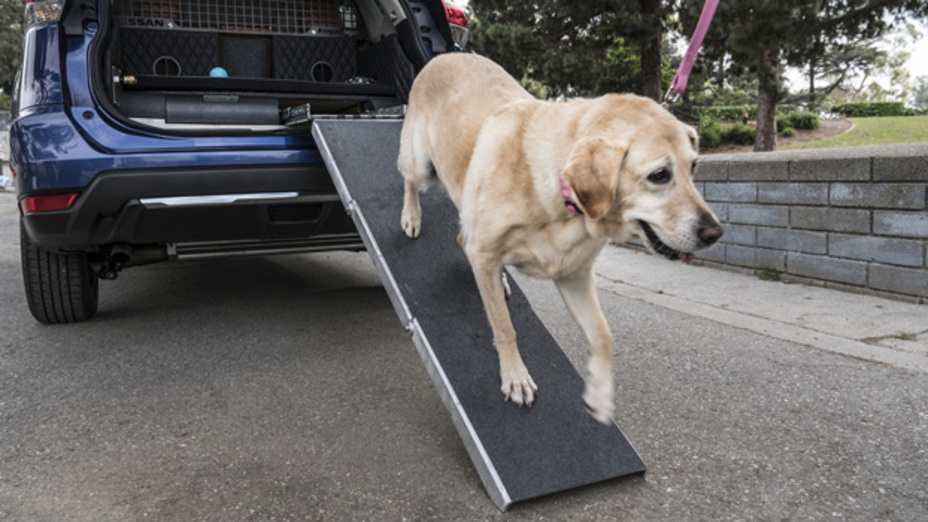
(519, 454)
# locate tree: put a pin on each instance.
(11, 41)
(652, 15)
(846, 65)
(845, 61)
(897, 56)
(642, 25)
(571, 46)
(763, 36)
(751, 35)
(526, 37)
(714, 85)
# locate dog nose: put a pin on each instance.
(709, 232)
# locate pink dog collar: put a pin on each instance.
(567, 192)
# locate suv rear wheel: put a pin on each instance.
(60, 287)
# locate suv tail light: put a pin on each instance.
(48, 203)
(42, 11)
(458, 22)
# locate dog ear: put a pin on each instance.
(593, 173)
(694, 137)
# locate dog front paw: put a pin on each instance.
(518, 386)
(412, 221)
(598, 399)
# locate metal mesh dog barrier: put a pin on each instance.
(303, 17)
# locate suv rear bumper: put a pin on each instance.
(250, 204)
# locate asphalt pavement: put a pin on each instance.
(284, 388)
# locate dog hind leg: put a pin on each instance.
(411, 219)
(415, 165)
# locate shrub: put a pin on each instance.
(869, 109)
(805, 120)
(710, 135)
(788, 131)
(726, 113)
(798, 120)
(735, 112)
(784, 122)
(741, 134)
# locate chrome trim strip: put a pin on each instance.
(160, 123)
(236, 199)
(201, 250)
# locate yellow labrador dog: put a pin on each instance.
(543, 186)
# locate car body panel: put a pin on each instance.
(40, 79)
(51, 152)
(66, 137)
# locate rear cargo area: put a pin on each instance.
(252, 64)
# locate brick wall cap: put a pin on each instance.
(893, 151)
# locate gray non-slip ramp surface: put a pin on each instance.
(519, 454)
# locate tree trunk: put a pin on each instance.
(651, 53)
(767, 97)
(766, 122)
(812, 103)
(813, 63)
(860, 89)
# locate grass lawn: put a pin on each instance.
(875, 131)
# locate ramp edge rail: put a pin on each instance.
(474, 447)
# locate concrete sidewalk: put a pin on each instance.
(861, 326)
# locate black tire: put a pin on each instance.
(60, 288)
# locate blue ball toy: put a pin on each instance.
(219, 72)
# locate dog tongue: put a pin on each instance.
(686, 257)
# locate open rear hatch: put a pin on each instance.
(257, 64)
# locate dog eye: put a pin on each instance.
(659, 177)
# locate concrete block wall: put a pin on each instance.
(850, 218)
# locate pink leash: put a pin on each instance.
(678, 85)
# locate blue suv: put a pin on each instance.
(148, 130)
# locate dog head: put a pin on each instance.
(632, 173)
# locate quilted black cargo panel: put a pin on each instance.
(175, 53)
(320, 59)
(245, 56)
(386, 62)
